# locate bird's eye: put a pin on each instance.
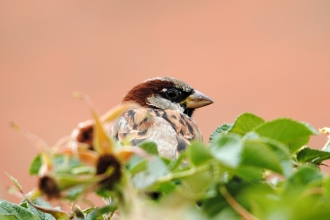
(172, 93)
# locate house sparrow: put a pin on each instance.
(164, 116)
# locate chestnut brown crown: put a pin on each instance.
(167, 93)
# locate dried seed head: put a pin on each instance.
(48, 186)
(105, 162)
(84, 134)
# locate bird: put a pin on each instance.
(164, 116)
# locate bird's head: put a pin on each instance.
(167, 93)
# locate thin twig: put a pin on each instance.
(182, 174)
(235, 205)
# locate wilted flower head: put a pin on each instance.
(89, 158)
(48, 186)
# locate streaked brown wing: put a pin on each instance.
(170, 130)
(132, 125)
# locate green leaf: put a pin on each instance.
(64, 164)
(175, 163)
(198, 153)
(88, 210)
(308, 155)
(222, 128)
(35, 165)
(135, 159)
(212, 206)
(278, 149)
(98, 212)
(302, 177)
(195, 184)
(104, 193)
(261, 198)
(259, 154)
(44, 207)
(8, 217)
(165, 187)
(326, 188)
(74, 193)
(245, 123)
(282, 153)
(14, 211)
(150, 147)
(39, 202)
(79, 170)
(67, 181)
(227, 149)
(250, 173)
(138, 167)
(16, 183)
(143, 180)
(297, 144)
(292, 133)
(156, 168)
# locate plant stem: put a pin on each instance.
(182, 174)
(235, 205)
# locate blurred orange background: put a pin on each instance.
(271, 58)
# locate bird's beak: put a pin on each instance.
(197, 100)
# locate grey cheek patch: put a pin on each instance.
(162, 103)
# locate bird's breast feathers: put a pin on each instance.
(170, 130)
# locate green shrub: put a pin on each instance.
(251, 169)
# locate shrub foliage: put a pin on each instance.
(251, 169)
